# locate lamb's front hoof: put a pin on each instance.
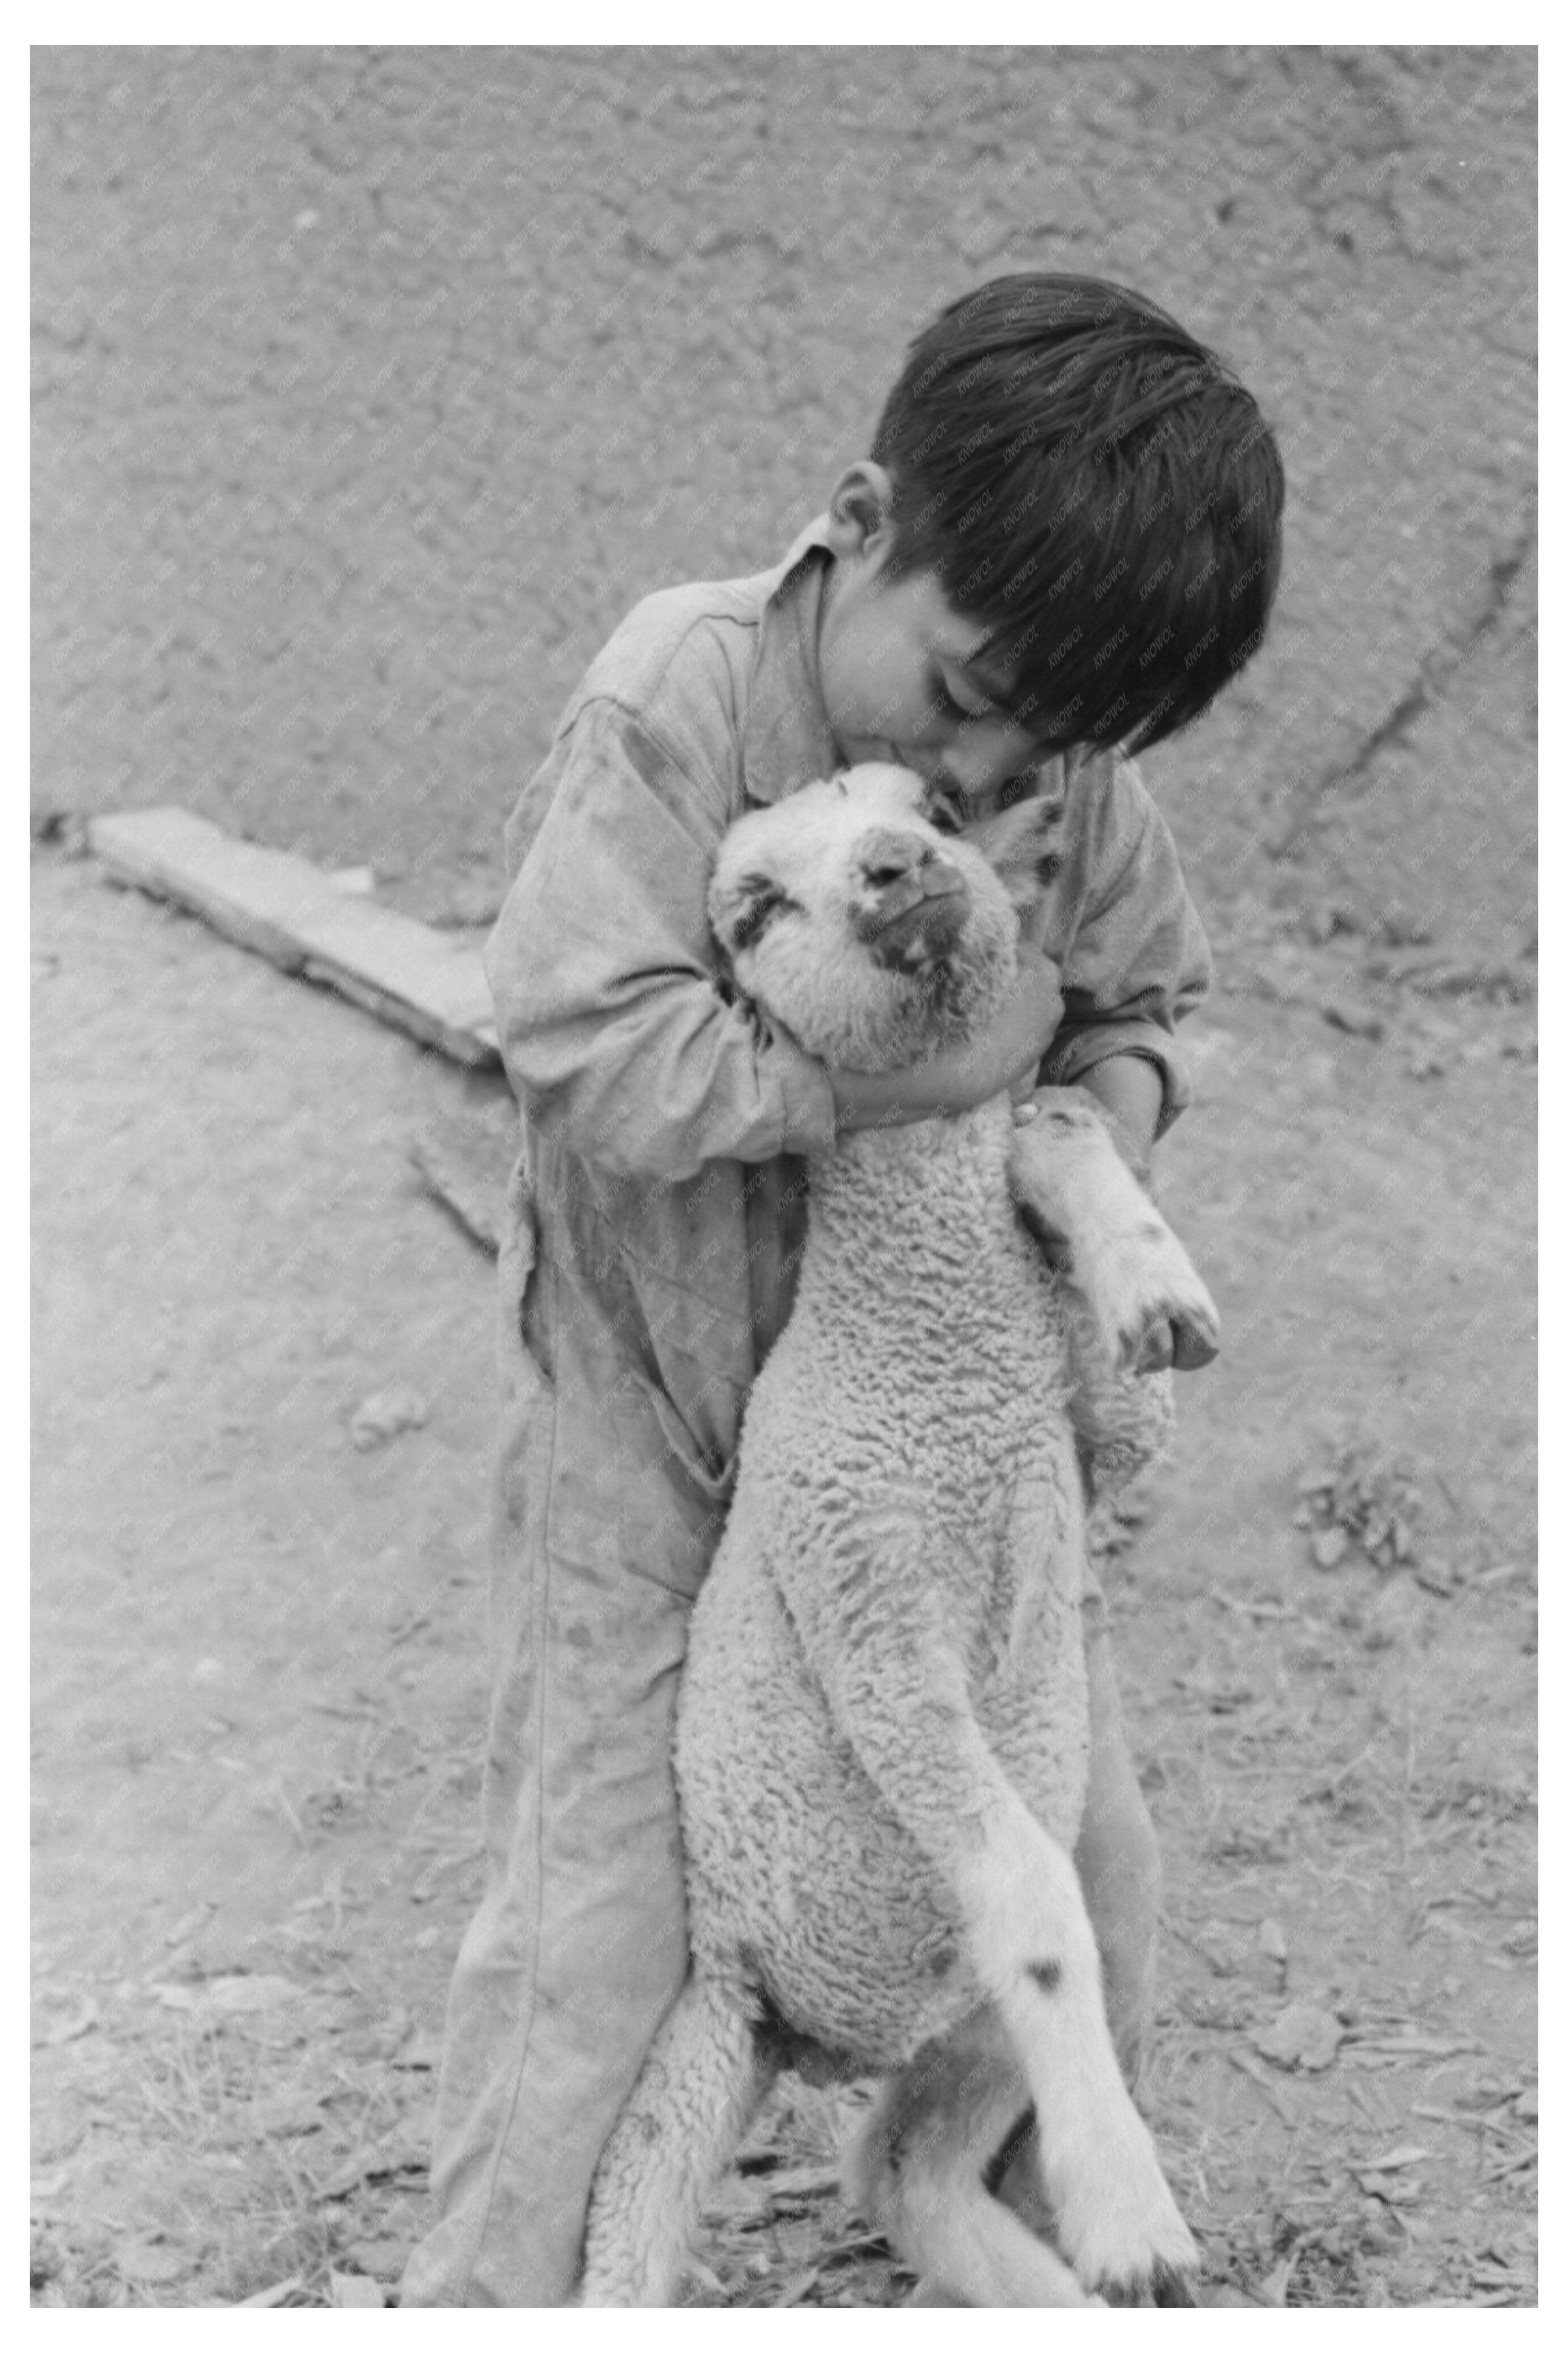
(1151, 1299)
(1181, 1346)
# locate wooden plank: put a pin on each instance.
(285, 909)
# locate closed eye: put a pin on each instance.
(768, 901)
(940, 684)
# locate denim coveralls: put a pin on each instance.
(654, 1227)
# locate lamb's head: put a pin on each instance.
(869, 935)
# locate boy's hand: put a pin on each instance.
(1003, 1056)
(1018, 1035)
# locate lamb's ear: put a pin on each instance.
(1022, 846)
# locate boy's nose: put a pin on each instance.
(984, 756)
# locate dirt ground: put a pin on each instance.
(259, 1679)
(366, 399)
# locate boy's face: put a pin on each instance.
(898, 667)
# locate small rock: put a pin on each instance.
(379, 2259)
(1327, 923)
(1302, 2036)
(234, 1996)
(1271, 1941)
(267, 2299)
(1271, 2291)
(1329, 1548)
(385, 1415)
(1357, 1020)
(1502, 1572)
(350, 2290)
(1392, 2192)
(68, 2030)
(189, 1924)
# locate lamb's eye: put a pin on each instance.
(756, 916)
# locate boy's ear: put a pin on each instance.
(860, 511)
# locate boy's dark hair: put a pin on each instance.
(1093, 484)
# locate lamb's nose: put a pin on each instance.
(886, 857)
(888, 861)
(898, 873)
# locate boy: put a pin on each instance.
(1065, 541)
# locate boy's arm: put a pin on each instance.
(1130, 1091)
(615, 1031)
(1135, 960)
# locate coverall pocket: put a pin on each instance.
(524, 1379)
(673, 1499)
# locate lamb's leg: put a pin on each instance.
(899, 1694)
(699, 2089)
(1117, 2220)
(1136, 1277)
(918, 2170)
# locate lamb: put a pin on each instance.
(883, 1736)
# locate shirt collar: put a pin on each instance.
(786, 740)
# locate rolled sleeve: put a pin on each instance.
(1134, 957)
(614, 1031)
(1072, 1053)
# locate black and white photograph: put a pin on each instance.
(783, 1057)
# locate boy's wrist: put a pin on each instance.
(1130, 1091)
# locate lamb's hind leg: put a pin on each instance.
(901, 1697)
(918, 2170)
(1116, 2221)
(699, 2089)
